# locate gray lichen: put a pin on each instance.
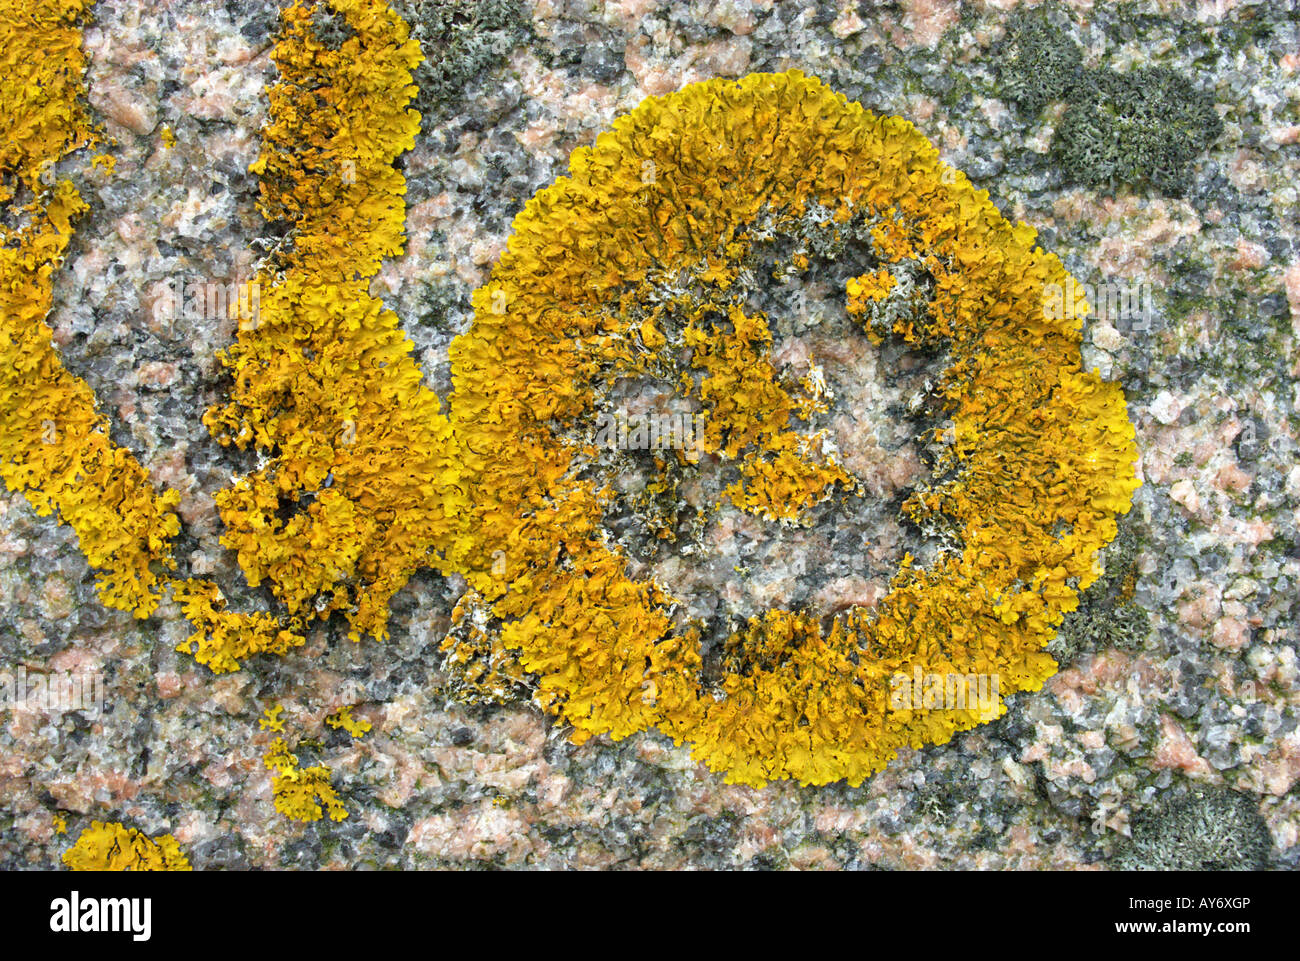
(330, 28)
(462, 41)
(1039, 63)
(1141, 127)
(1107, 614)
(1206, 830)
(1145, 126)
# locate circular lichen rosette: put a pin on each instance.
(640, 268)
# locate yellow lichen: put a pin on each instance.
(364, 479)
(750, 412)
(1041, 461)
(271, 720)
(54, 442)
(323, 377)
(343, 718)
(358, 453)
(299, 792)
(480, 668)
(115, 847)
(222, 639)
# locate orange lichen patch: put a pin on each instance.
(41, 108)
(358, 487)
(1037, 463)
(482, 670)
(750, 412)
(359, 455)
(115, 847)
(609, 275)
(222, 638)
(869, 287)
(54, 441)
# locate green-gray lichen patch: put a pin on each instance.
(1107, 615)
(1140, 127)
(1206, 830)
(1039, 63)
(462, 41)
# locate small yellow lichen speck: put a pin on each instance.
(343, 718)
(271, 720)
